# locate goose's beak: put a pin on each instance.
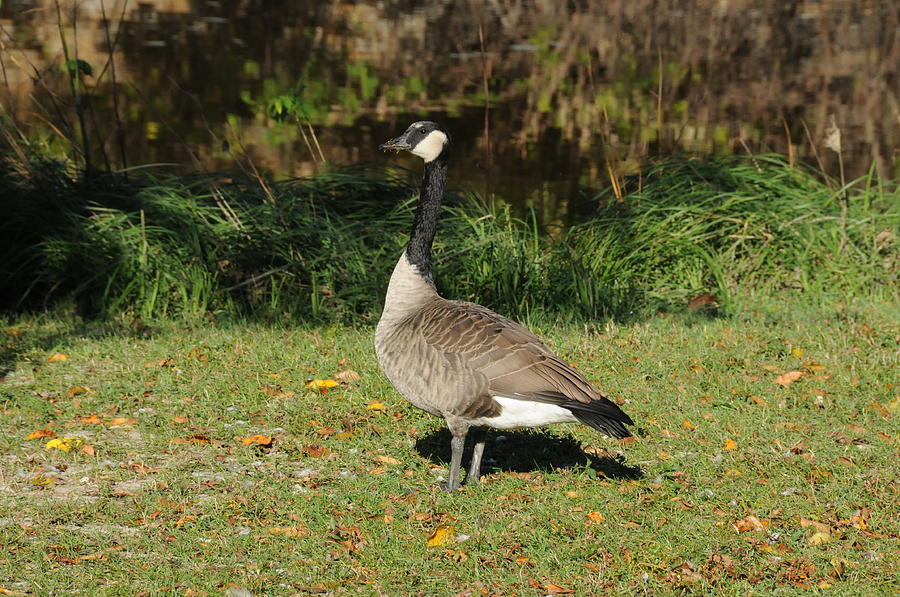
(397, 144)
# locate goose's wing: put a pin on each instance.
(500, 355)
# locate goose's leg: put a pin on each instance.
(458, 430)
(477, 451)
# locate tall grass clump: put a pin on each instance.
(322, 248)
(733, 225)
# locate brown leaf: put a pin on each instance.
(39, 433)
(315, 451)
(788, 378)
(347, 376)
(179, 420)
(387, 460)
(88, 449)
(554, 589)
(91, 420)
(750, 523)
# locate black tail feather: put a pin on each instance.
(602, 415)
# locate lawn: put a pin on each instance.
(192, 459)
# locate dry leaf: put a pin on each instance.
(320, 384)
(88, 449)
(178, 420)
(39, 433)
(596, 517)
(788, 378)
(833, 135)
(57, 357)
(553, 589)
(797, 352)
(64, 444)
(819, 538)
(730, 444)
(442, 535)
(347, 376)
(91, 420)
(387, 460)
(287, 531)
(750, 523)
(119, 421)
(262, 440)
(376, 406)
(688, 425)
(667, 433)
(819, 526)
(77, 391)
(757, 400)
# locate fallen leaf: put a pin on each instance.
(77, 391)
(819, 538)
(788, 378)
(347, 376)
(320, 384)
(376, 406)
(553, 589)
(387, 460)
(757, 400)
(596, 517)
(688, 425)
(119, 421)
(315, 451)
(819, 526)
(179, 420)
(442, 535)
(91, 420)
(87, 449)
(667, 433)
(57, 357)
(797, 352)
(39, 433)
(730, 444)
(64, 444)
(572, 494)
(287, 531)
(262, 440)
(750, 523)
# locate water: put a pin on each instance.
(579, 92)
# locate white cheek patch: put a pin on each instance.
(431, 146)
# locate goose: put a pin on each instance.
(462, 361)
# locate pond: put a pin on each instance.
(547, 101)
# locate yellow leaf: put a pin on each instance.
(387, 460)
(688, 425)
(788, 378)
(819, 538)
(596, 517)
(320, 384)
(729, 444)
(117, 421)
(572, 494)
(797, 352)
(262, 440)
(57, 357)
(39, 433)
(343, 435)
(63, 443)
(376, 406)
(442, 535)
(76, 391)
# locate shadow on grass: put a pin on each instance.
(527, 451)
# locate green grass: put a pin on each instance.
(320, 249)
(178, 506)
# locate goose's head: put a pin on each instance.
(425, 139)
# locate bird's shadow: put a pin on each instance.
(527, 451)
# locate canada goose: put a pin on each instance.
(462, 361)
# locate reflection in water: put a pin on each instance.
(579, 92)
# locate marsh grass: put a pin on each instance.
(321, 248)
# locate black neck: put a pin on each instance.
(418, 250)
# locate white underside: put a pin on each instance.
(523, 413)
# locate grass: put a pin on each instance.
(343, 500)
(319, 249)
